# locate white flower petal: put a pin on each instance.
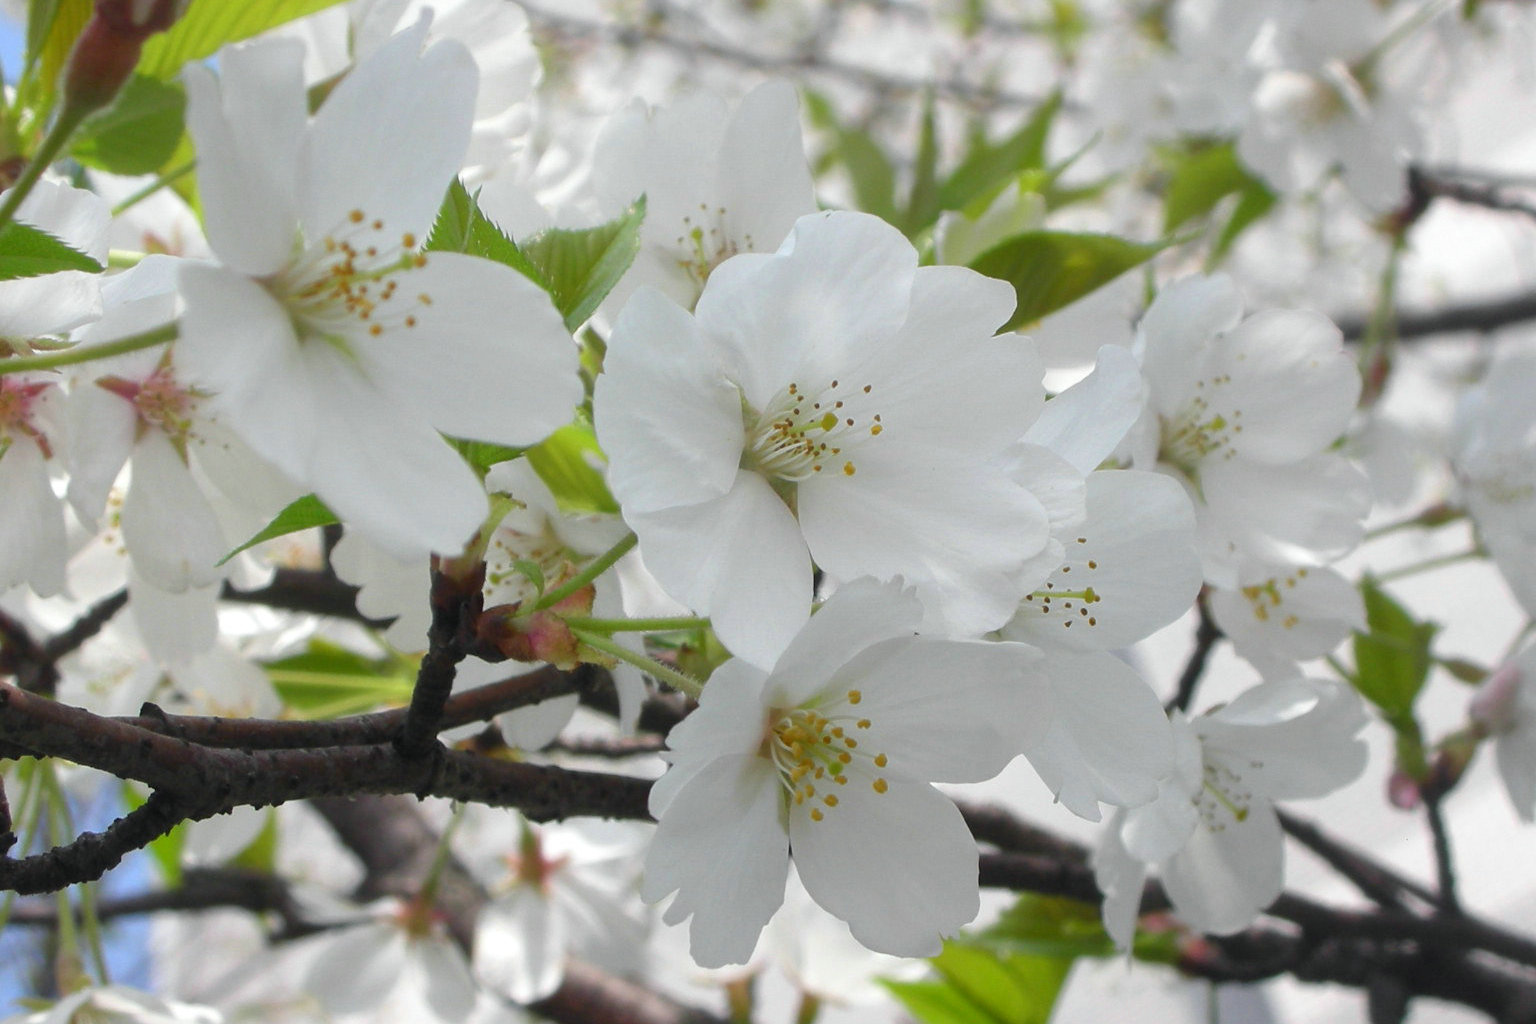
(704, 554)
(721, 847)
(520, 945)
(1107, 738)
(168, 526)
(247, 127)
(899, 866)
(488, 358)
(1086, 423)
(672, 427)
(390, 138)
(1222, 879)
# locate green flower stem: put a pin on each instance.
(596, 568)
(53, 144)
(159, 183)
(88, 353)
(440, 857)
(660, 625)
(1428, 564)
(671, 676)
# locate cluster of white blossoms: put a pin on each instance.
(795, 463)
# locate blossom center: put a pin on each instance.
(17, 410)
(813, 750)
(159, 401)
(1267, 599)
(347, 283)
(1200, 432)
(1223, 799)
(705, 244)
(804, 432)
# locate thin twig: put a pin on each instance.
(1206, 635)
(1445, 865)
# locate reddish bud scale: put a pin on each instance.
(505, 633)
(108, 49)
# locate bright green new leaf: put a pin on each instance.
(482, 455)
(328, 680)
(302, 514)
(979, 986)
(581, 266)
(139, 132)
(1198, 180)
(260, 855)
(937, 1002)
(567, 461)
(1253, 203)
(210, 24)
(988, 167)
(1051, 269)
(1392, 660)
(52, 28)
(462, 227)
(869, 169)
(26, 251)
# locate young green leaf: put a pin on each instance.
(210, 24)
(581, 266)
(1392, 660)
(302, 514)
(139, 132)
(988, 167)
(1051, 269)
(462, 227)
(26, 251)
(1198, 180)
(567, 461)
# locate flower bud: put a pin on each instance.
(1495, 706)
(108, 50)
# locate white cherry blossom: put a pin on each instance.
(1212, 833)
(1223, 419)
(832, 401)
(716, 183)
(830, 756)
(1505, 709)
(332, 345)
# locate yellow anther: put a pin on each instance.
(830, 799)
(845, 757)
(854, 696)
(408, 240)
(862, 723)
(848, 469)
(816, 814)
(881, 786)
(851, 743)
(356, 216)
(881, 760)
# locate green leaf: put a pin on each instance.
(48, 44)
(139, 132)
(582, 266)
(1049, 926)
(869, 169)
(987, 168)
(1256, 201)
(302, 514)
(260, 855)
(482, 455)
(1392, 660)
(26, 251)
(462, 227)
(978, 985)
(1198, 180)
(1051, 269)
(567, 461)
(328, 680)
(937, 1002)
(210, 24)
(923, 200)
